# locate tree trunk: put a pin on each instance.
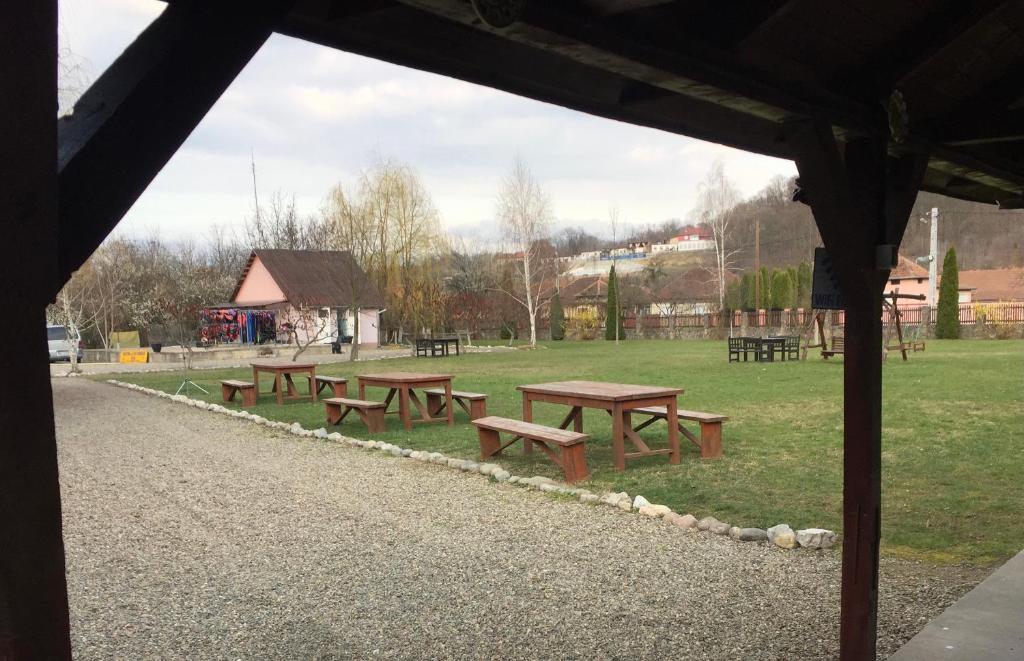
(533, 328)
(354, 353)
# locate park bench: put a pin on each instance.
(838, 348)
(710, 441)
(371, 413)
(230, 387)
(337, 384)
(565, 448)
(473, 403)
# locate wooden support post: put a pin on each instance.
(861, 199)
(33, 590)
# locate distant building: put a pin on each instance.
(661, 247)
(911, 278)
(590, 255)
(693, 238)
(327, 281)
(993, 285)
(692, 292)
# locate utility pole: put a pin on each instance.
(757, 264)
(933, 257)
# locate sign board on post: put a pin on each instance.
(134, 356)
(825, 291)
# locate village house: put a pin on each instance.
(313, 296)
(692, 238)
(692, 292)
(911, 278)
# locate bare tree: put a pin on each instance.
(524, 212)
(352, 226)
(716, 197)
(279, 225)
(307, 323)
(74, 310)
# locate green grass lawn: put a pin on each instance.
(953, 429)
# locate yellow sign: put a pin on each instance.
(134, 356)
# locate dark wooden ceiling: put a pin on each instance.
(736, 72)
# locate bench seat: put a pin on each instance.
(230, 387)
(710, 441)
(371, 413)
(565, 448)
(473, 403)
(337, 384)
(838, 348)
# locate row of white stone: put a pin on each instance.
(781, 535)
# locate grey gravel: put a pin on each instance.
(196, 535)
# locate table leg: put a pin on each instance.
(290, 383)
(448, 402)
(312, 384)
(673, 431)
(403, 407)
(527, 417)
(362, 391)
(256, 380)
(618, 440)
(277, 388)
(577, 420)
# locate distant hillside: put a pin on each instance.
(984, 236)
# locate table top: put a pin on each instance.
(283, 366)
(600, 390)
(404, 377)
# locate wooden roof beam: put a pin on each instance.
(138, 113)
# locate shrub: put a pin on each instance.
(782, 290)
(583, 325)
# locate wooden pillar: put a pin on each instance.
(861, 198)
(33, 594)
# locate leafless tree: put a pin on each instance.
(524, 212)
(307, 324)
(72, 72)
(74, 310)
(352, 224)
(716, 197)
(278, 224)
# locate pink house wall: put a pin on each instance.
(258, 286)
(913, 286)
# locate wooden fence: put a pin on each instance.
(994, 313)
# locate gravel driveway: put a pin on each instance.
(194, 535)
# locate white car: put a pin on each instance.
(62, 343)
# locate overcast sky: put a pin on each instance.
(313, 117)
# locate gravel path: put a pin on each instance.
(195, 535)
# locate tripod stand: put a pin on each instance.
(187, 381)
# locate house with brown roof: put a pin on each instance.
(911, 278)
(993, 285)
(692, 292)
(316, 293)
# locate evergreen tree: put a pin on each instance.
(747, 284)
(782, 290)
(613, 318)
(947, 325)
(766, 288)
(803, 285)
(557, 318)
(734, 295)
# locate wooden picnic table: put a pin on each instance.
(404, 384)
(285, 370)
(618, 399)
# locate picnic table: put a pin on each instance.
(437, 346)
(618, 399)
(284, 371)
(404, 384)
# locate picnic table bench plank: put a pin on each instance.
(231, 387)
(476, 407)
(564, 448)
(710, 441)
(371, 412)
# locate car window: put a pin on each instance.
(56, 333)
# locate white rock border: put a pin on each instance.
(780, 536)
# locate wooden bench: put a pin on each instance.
(371, 413)
(338, 385)
(838, 348)
(473, 403)
(710, 441)
(230, 387)
(565, 448)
